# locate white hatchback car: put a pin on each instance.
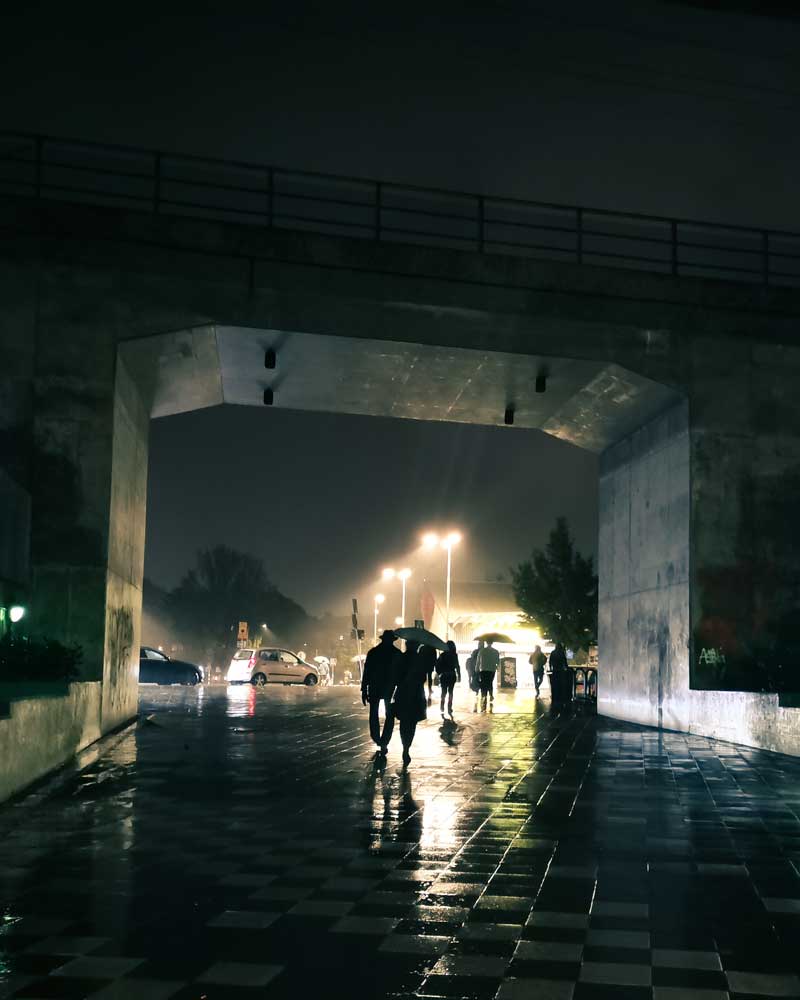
(270, 666)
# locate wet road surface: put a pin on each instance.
(242, 844)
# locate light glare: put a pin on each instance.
(388, 573)
(16, 612)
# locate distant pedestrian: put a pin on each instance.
(381, 669)
(409, 703)
(449, 671)
(472, 672)
(487, 663)
(560, 677)
(428, 654)
(537, 661)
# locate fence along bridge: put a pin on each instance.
(152, 181)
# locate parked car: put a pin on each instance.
(270, 666)
(156, 667)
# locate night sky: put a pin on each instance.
(663, 108)
(328, 500)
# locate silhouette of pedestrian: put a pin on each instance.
(410, 704)
(377, 685)
(537, 661)
(449, 671)
(472, 672)
(487, 663)
(560, 679)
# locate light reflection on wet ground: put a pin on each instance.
(241, 843)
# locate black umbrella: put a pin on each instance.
(493, 637)
(422, 636)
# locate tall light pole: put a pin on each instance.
(431, 541)
(402, 575)
(379, 599)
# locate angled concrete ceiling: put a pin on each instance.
(587, 403)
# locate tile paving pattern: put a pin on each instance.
(243, 844)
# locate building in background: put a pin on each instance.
(477, 608)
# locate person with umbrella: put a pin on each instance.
(410, 704)
(377, 685)
(449, 671)
(487, 663)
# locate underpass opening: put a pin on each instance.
(630, 421)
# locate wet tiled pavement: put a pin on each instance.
(243, 844)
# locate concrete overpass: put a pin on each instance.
(685, 385)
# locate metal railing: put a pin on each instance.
(260, 195)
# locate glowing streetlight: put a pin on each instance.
(15, 613)
(430, 540)
(402, 575)
(379, 599)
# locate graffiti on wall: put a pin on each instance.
(120, 649)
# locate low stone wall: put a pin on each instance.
(41, 733)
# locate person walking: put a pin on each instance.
(428, 654)
(449, 671)
(537, 661)
(472, 672)
(560, 680)
(377, 685)
(410, 704)
(487, 663)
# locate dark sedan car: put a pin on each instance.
(156, 667)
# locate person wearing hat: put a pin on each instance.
(377, 685)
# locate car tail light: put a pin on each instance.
(252, 662)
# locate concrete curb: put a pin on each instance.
(40, 789)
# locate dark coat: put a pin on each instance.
(410, 703)
(447, 665)
(380, 671)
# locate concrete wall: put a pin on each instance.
(126, 518)
(643, 565)
(647, 556)
(42, 733)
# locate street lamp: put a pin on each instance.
(430, 540)
(379, 599)
(402, 575)
(15, 613)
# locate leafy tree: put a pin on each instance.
(225, 587)
(557, 591)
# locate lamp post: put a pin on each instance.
(379, 599)
(430, 541)
(402, 575)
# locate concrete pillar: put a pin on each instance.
(643, 563)
(88, 494)
(699, 555)
(745, 446)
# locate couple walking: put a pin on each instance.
(398, 681)
(482, 665)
